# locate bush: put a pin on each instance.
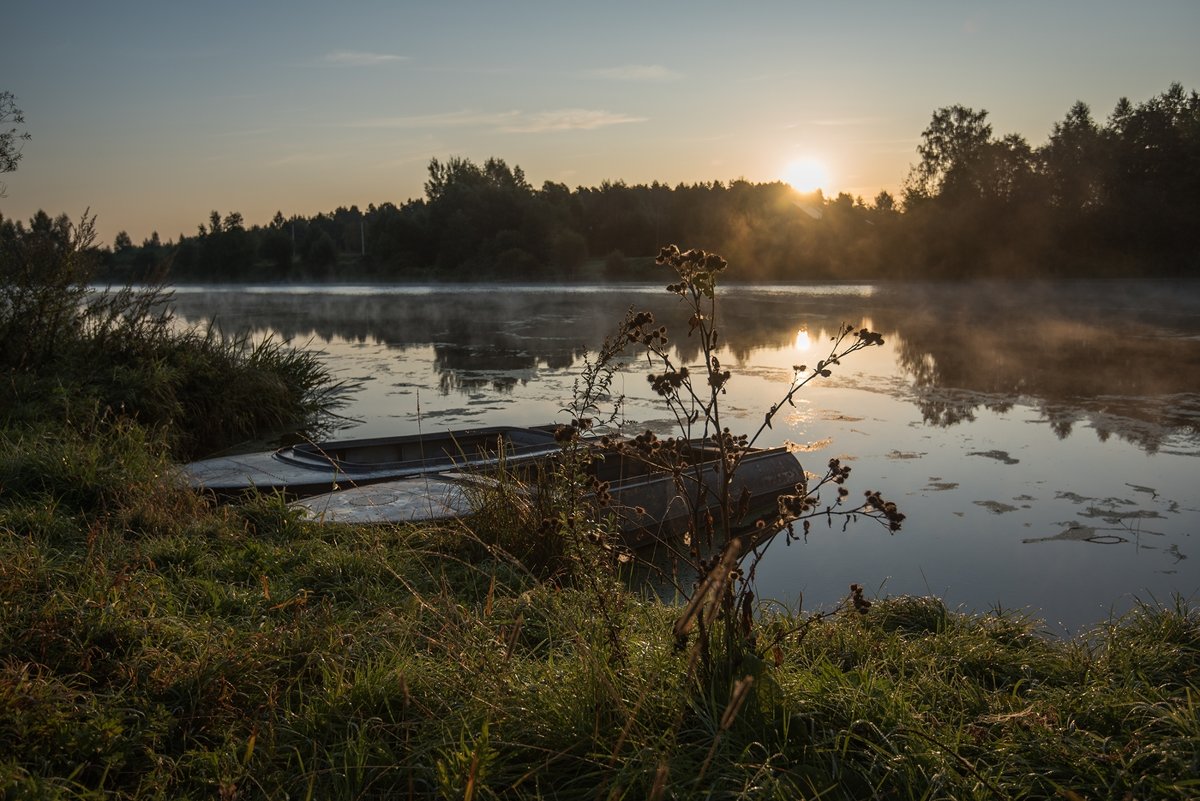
(70, 353)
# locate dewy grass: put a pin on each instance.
(244, 653)
(154, 646)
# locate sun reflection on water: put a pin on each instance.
(1008, 465)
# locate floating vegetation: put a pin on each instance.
(996, 507)
(1000, 456)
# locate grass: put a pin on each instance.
(158, 647)
(155, 646)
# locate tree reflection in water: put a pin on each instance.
(1000, 509)
(1121, 357)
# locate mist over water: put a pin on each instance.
(1042, 439)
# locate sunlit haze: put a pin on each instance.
(154, 114)
(806, 175)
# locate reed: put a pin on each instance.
(73, 354)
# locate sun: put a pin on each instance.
(806, 175)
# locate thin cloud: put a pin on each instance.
(725, 137)
(572, 119)
(569, 119)
(294, 159)
(907, 140)
(403, 161)
(767, 76)
(358, 58)
(451, 119)
(842, 122)
(639, 73)
(248, 132)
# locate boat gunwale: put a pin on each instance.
(312, 456)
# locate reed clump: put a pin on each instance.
(72, 354)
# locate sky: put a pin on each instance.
(154, 114)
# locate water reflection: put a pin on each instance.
(971, 415)
(1125, 359)
(1122, 358)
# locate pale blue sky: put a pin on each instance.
(153, 114)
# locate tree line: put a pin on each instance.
(1118, 197)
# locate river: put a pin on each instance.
(1043, 440)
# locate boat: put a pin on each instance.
(647, 504)
(643, 503)
(321, 467)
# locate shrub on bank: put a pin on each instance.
(72, 354)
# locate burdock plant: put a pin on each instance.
(722, 544)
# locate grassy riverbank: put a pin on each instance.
(155, 646)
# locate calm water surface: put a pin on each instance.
(1044, 441)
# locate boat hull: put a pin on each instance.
(650, 508)
(315, 468)
(644, 506)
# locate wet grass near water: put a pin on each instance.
(156, 646)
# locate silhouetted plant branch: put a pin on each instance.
(721, 605)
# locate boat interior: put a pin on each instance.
(461, 449)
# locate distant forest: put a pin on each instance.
(1095, 200)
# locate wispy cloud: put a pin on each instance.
(404, 161)
(358, 58)
(302, 158)
(763, 77)
(640, 73)
(843, 122)
(249, 132)
(571, 119)
(450, 119)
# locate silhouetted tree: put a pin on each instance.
(477, 213)
(319, 252)
(1116, 198)
(1073, 161)
(1153, 179)
(12, 137)
(950, 146)
(275, 248)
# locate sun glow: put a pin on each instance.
(806, 175)
(803, 341)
